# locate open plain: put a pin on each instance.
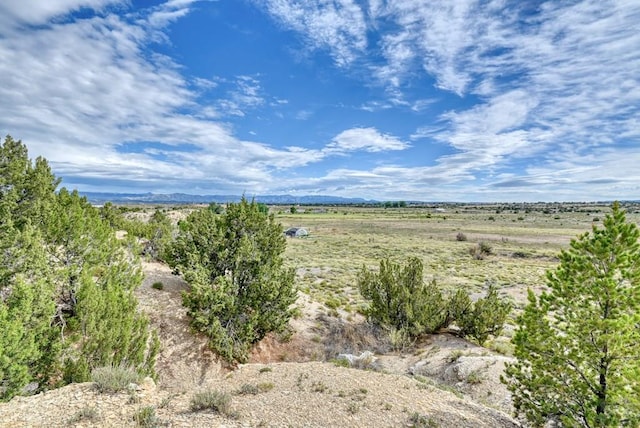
(298, 379)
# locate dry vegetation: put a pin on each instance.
(524, 244)
(297, 380)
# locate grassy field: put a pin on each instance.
(524, 241)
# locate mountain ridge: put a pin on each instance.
(154, 198)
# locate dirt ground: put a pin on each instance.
(297, 386)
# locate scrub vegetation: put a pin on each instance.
(511, 275)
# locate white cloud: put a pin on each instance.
(246, 95)
(15, 12)
(338, 26)
(367, 139)
(554, 90)
(76, 90)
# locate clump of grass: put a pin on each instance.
(248, 389)
(146, 417)
(417, 420)
(265, 370)
(480, 251)
(400, 340)
(216, 401)
(87, 413)
(454, 355)
(301, 378)
(157, 285)
(341, 362)
(353, 408)
(319, 387)
(113, 379)
(475, 377)
(265, 386)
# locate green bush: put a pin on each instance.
(240, 289)
(480, 251)
(399, 298)
(146, 417)
(67, 302)
(485, 317)
(248, 389)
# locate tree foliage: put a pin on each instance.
(399, 298)
(480, 319)
(66, 290)
(578, 345)
(240, 289)
(29, 346)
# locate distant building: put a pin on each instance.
(296, 232)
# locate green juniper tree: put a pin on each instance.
(66, 285)
(400, 299)
(578, 345)
(96, 279)
(480, 319)
(240, 290)
(29, 343)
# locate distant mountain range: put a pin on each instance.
(183, 198)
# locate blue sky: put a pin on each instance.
(493, 100)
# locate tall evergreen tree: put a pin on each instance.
(578, 345)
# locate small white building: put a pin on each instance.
(296, 232)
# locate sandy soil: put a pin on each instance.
(433, 386)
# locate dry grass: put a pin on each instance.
(523, 246)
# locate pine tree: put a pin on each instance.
(578, 345)
(240, 289)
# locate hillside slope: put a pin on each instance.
(309, 394)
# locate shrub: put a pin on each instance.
(421, 421)
(485, 317)
(265, 386)
(461, 237)
(399, 298)
(480, 251)
(146, 417)
(113, 379)
(240, 290)
(402, 302)
(84, 414)
(475, 377)
(459, 304)
(400, 339)
(211, 400)
(248, 389)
